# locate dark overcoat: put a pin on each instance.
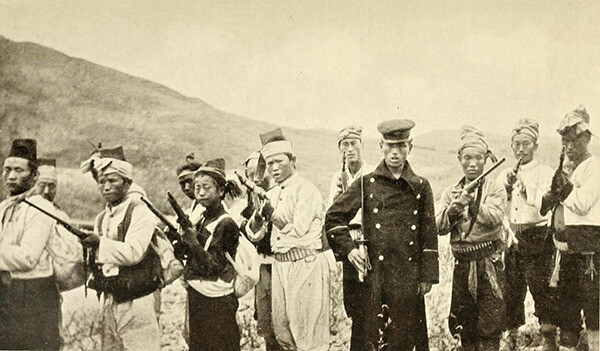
(399, 224)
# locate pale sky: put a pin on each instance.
(328, 64)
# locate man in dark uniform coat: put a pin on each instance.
(399, 226)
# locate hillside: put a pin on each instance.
(69, 103)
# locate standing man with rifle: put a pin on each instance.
(301, 271)
(256, 199)
(350, 146)
(400, 233)
(30, 311)
(91, 165)
(575, 196)
(126, 271)
(472, 211)
(530, 259)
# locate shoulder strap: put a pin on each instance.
(124, 225)
(99, 221)
(211, 228)
(474, 212)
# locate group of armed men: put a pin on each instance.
(531, 227)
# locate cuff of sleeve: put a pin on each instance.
(288, 228)
(3, 266)
(340, 241)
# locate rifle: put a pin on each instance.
(72, 229)
(518, 166)
(172, 232)
(469, 188)
(515, 170)
(182, 218)
(558, 183)
(344, 176)
(251, 186)
(557, 179)
(475, 182)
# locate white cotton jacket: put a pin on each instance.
(113, 253)
(300, 205)
(533, 181)
(582, 206)
(23, 238)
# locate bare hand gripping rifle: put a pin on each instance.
(470, 187)
(68, 226)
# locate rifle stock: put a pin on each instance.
(78, 233)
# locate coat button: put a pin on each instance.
(375, 210)
(413, 227)
(380, 257)
(410, 259)
(377, 225)
(411, 243)
(418, 196)
(416, 211)
(372, 180)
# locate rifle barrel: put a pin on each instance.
(80, 234)
(250, 186)
(182, 218)
(469, 187)
(158, 214)
(518, 165)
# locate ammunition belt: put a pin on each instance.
(295, 254)
(475, 251)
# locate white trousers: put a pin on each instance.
(301, 303)
(130, 325)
